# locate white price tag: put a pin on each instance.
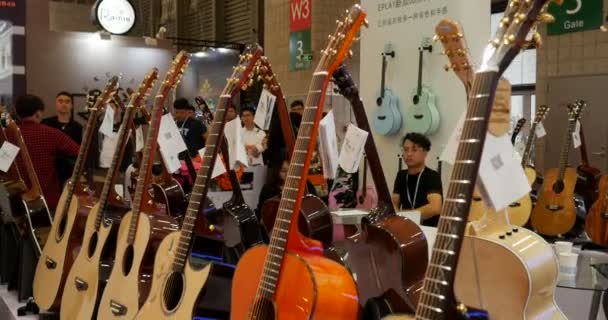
(352, 148)
(139, 139)
(169, 139)
(449, 152)
(576, 135)
(498, 166)
(107, 125)
(8, 153)
(218, 167)
(540, 130)
(236, 149)
(171, 161)
(108, 147)
(263, 113)
(328, 146)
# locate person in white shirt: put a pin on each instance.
(254, 138)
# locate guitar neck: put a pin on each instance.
(456, 205)
(421, 51)
(525, 159)
(286, 127)
(383, 77)
(237, 193)
(584, 156)
(563, 159)
(35, 189)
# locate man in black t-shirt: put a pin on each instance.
(193, 131)
(418, 187)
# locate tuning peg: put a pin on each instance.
(446, 52)
(366, 23)
(436, 38)
(546, 18)
(495, 43)
(447, 67)
(350, 54)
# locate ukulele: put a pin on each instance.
(517, 129)
(176, 284)
(141, 229)
(394, 241)
(84, 282)
(314, 218)
(555, 211)
(587, 175)
(367, 197)
(67, 228)
(290, 278)
(438, 301)
(387, 117)
(423, 116)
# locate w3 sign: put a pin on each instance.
(300, 15)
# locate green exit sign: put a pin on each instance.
(575, 16)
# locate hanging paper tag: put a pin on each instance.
(352, 148)
(139, 139)
(449, 152)
(498, 166)
(234, 134)
(107, 125)
(576, 135)
(8, 153)
(540, 130)
(328, 146)
(169, 138)
(171, 161)
(263, 113)
(108, 146)
(218, 167)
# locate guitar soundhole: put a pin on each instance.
(558, 186)
(416, 99)
(418, 116)
(92, 245)
(173, 290)
(514, 205)
(379, 101)
(61, 227)
(127, 260)
(262, 309)
(477, 199)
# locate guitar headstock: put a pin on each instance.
(518, 126)
(450, 34)
(520, 17)
(338, 46)
(138, 97)
(107, 94)
(541, 113)
(242, 72)
(174, 75)
(92, 96)
(575, 110)
(264, 73)
(345, 83)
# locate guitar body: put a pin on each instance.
(241, 228)
(82, 287)
(596, 223)
(517, 261)
(388, 259)
(314, 221)
(555, 213)
(387, 117)
(58, 254)
(478, 208)
(309, 286)
(587, 183)
(423, 117)
(36, 219)
(171, 194)
(519, 211)
(129, 281)
(186, 286)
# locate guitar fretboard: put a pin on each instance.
(525, 159)
(563, 158)
(437, 292)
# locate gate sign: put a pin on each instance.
(575, 16)
(300, 15)
(300, 37)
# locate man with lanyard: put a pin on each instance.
(193, 131)
(418, 187)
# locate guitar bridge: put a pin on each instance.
(514, 205)
(117, 308)
(81, 285)
(554, 207)
(50, 263)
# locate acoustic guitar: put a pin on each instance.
(387, 117)
(389, 256)
(12, 186)
(596, 223)
(587, 175)
(176, 284)
(367, 197)
(438, 300)
(555, 211)
(290, 278)
(84, 282)
(143, 228)
(314, 218)
(423, 116)
(67, 229)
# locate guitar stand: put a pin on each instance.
(31, 307)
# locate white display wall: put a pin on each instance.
(402, 73)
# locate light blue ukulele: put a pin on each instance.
(387, 117)
(422, 116)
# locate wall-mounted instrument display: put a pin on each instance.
(290, 277)
(83, 283)
(142, 229)
(422, 116)
(555, 211)
(396, 241)
(387, 117)
(176, 284)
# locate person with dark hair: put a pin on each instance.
(254, 138)
(64, 121)
(418, 187)
(193, 131)
(44, 144)
(297, 106)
